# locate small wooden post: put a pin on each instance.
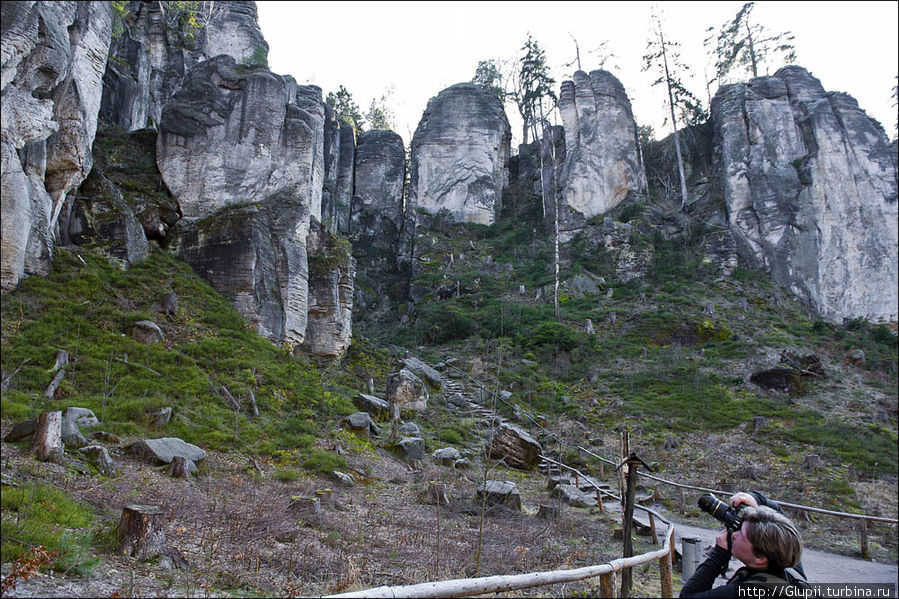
(599, 500)
(325, 497)
(607, 585)
(47, 440)
(652, 529)
(665, 575)
(141, 531)
(632, 462)
(863, 528)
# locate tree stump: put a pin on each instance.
(178, 467)
(758, 423)
(548, 512)
(305, 508)
(671, 443)
(50, 391)
(142, 532)
(46, 443)
(437, 493)
(325, 497)
(812, 462)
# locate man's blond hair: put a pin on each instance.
(772, 535)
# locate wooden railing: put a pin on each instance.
(464, 587)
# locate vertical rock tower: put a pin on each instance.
(460, 155)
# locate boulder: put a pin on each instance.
(22, 431)
(99, 457)
(424, 372)
(406, 391)
(162, 451)
(409, 429)
(361, 423)
(498, 492)
(375, 406)
(602, 163)
(573, 496)
(147, 331)
(447, 456)
(411, 448)
(811, 191)
(515, 447)
(460, 155)
(54, 54)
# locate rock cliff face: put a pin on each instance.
(460, 155)
(151, 52)
(602, 161)
(811, 191)
(245, 162)
(380, 171)
(53, 57)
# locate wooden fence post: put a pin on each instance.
(863, 528)
(607, 585)
(665, 575)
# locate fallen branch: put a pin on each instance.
(50, 391)
(125, 361)
(4, 385)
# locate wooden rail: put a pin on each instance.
(464, 587)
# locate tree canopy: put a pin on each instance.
(534, 87)
(345, 108)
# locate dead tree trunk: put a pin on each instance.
(178, 467)
(46, 443)
(50, 391)
(142, 532)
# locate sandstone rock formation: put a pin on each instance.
(515, 447)
(811, 191)
(377, 209)
(231, 138)
(53, 57)
(330, 302)
(602, 161)
(153, 50)
(460, 155)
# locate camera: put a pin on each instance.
(722, 512)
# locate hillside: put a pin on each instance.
(666, 367)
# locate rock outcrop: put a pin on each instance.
(602, 160)
(245, 164)
(330, 304)
(53, 58)
(153, 48)
(811, 190)
(460, 155)
(377, 210)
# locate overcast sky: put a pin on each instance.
(416, 49)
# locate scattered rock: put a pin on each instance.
(447, 456)
(99, 457)
(162, 451)
(500, 493)
(377, 407)
(406, 391)
(361, 423)
(147, 331)
(411, 448)
(515, 447)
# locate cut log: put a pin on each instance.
(142, 531)
(178, 467)
(305, 508)
(254, 410)
(437, 494)
(46, 443)
(50, 391)
(62, 358)
(758, 423)
(325, 497)
(548, 512)
(812, 462)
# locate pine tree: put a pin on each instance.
(741, 42)
(489, 75)
(662, 55)
(346, 109)
(533, 88)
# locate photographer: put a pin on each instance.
(767, 543)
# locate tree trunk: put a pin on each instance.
(142, 531)
(178, 468)
(50, 391)
(680, 160)
(47, 440)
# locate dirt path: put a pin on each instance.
(820, 566)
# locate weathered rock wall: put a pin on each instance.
(331, 275)
(53, 58)
(460, 155)
(811, 190)
(151, 52)
(602, 160)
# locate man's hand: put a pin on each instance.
(721, 539)
(743, 499)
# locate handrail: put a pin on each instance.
(464, 587)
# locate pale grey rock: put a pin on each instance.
(147, 331)
(602, 161)
(514, 446)
(99, 457)
(379, 173)
(21, 431)
(411, 448)
(500, 492)
(53, 57)
(346, 163)
(423, 371)
(81, 417)
(573, 496)
(810, 184)
(149, 57)
(361, 422)
(330, 301)
(447, 456)
(460, 155)
(331, 154)
(162, 451)
(409, 429)
(406, 391)
(375, 406)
